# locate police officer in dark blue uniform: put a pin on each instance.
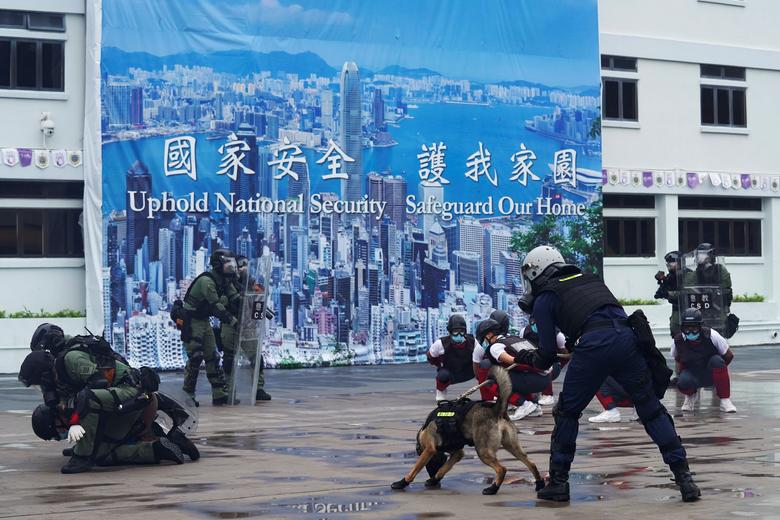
(582, 306)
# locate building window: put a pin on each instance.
(723, 105)
(32, 64)
(33, 21)
(733, 237)
(629, 236)
(618, 63)
(719, 203)
(40, 233)
(619, 200)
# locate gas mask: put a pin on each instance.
(702, 258)
(229, 267)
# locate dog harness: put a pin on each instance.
(449, 417)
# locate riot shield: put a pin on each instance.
(252, 330)
(701, 288)
(176, 409)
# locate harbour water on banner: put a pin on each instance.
(701, 287)
(256, 315)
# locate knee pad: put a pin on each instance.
(444, 375)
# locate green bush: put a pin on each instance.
(637, 301)
(749, 298)
(27, 313)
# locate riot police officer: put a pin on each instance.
(208, 295)
(668, 290)
(451, 355)
(582, 307)
(708, 272)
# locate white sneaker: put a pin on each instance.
(606, 416)
(547, 400)
(634, 415)
(727, 406)
(536, 412)
(441, 395)
(690, 402)
(523, 411)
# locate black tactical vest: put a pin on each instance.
(695, 355)
(580, 295)
(457, 356)
(531, 336)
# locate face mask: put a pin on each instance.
(486, 345)
(230, 267)
(691, 336)
(458, 338)
(533, 328)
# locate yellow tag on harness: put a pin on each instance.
(445, 414)
(570, 277)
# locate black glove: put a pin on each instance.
(662, 293)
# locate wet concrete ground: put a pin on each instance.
(332, 440)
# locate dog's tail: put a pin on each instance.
(501, 376)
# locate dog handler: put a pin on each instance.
(582, 306)
(452, 356)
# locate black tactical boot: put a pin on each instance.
(67, 452)
(262, 395)
(682, 476)
(186, 445)
(220, 401)
(166, 450)
(77, 464)
(557, 489)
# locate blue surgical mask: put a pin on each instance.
(486, 345)
(533, 328)
(691, 336)
(458, 338)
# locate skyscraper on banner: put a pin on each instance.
(351, 132)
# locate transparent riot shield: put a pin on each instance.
(701, 287)
(252, 331)
(176, 409)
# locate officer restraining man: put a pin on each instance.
(668, 290)
(451, 355)
(229, 333)
(208, 295)
(94, 399)
(582, 306)
(702, 357)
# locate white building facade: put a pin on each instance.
(689, 125)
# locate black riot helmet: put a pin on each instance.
(36, 368)
(46, 337)
(705, 254)
(44, 423)
(486, 327)
(672, 257)
(502, 319)
(456, 323)
(223, 261)
(691, 317)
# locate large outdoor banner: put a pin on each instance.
(394, 159)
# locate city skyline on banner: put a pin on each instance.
(388, 199)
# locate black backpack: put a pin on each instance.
(660, 373)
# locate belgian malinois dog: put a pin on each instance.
(488, 427)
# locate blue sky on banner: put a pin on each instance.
(550, 42)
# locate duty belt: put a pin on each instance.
(603, 324)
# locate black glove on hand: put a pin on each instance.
(662, 293)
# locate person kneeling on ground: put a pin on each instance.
(452, 356)
(501, 350)
(702, 357)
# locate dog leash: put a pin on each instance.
(491, 381)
